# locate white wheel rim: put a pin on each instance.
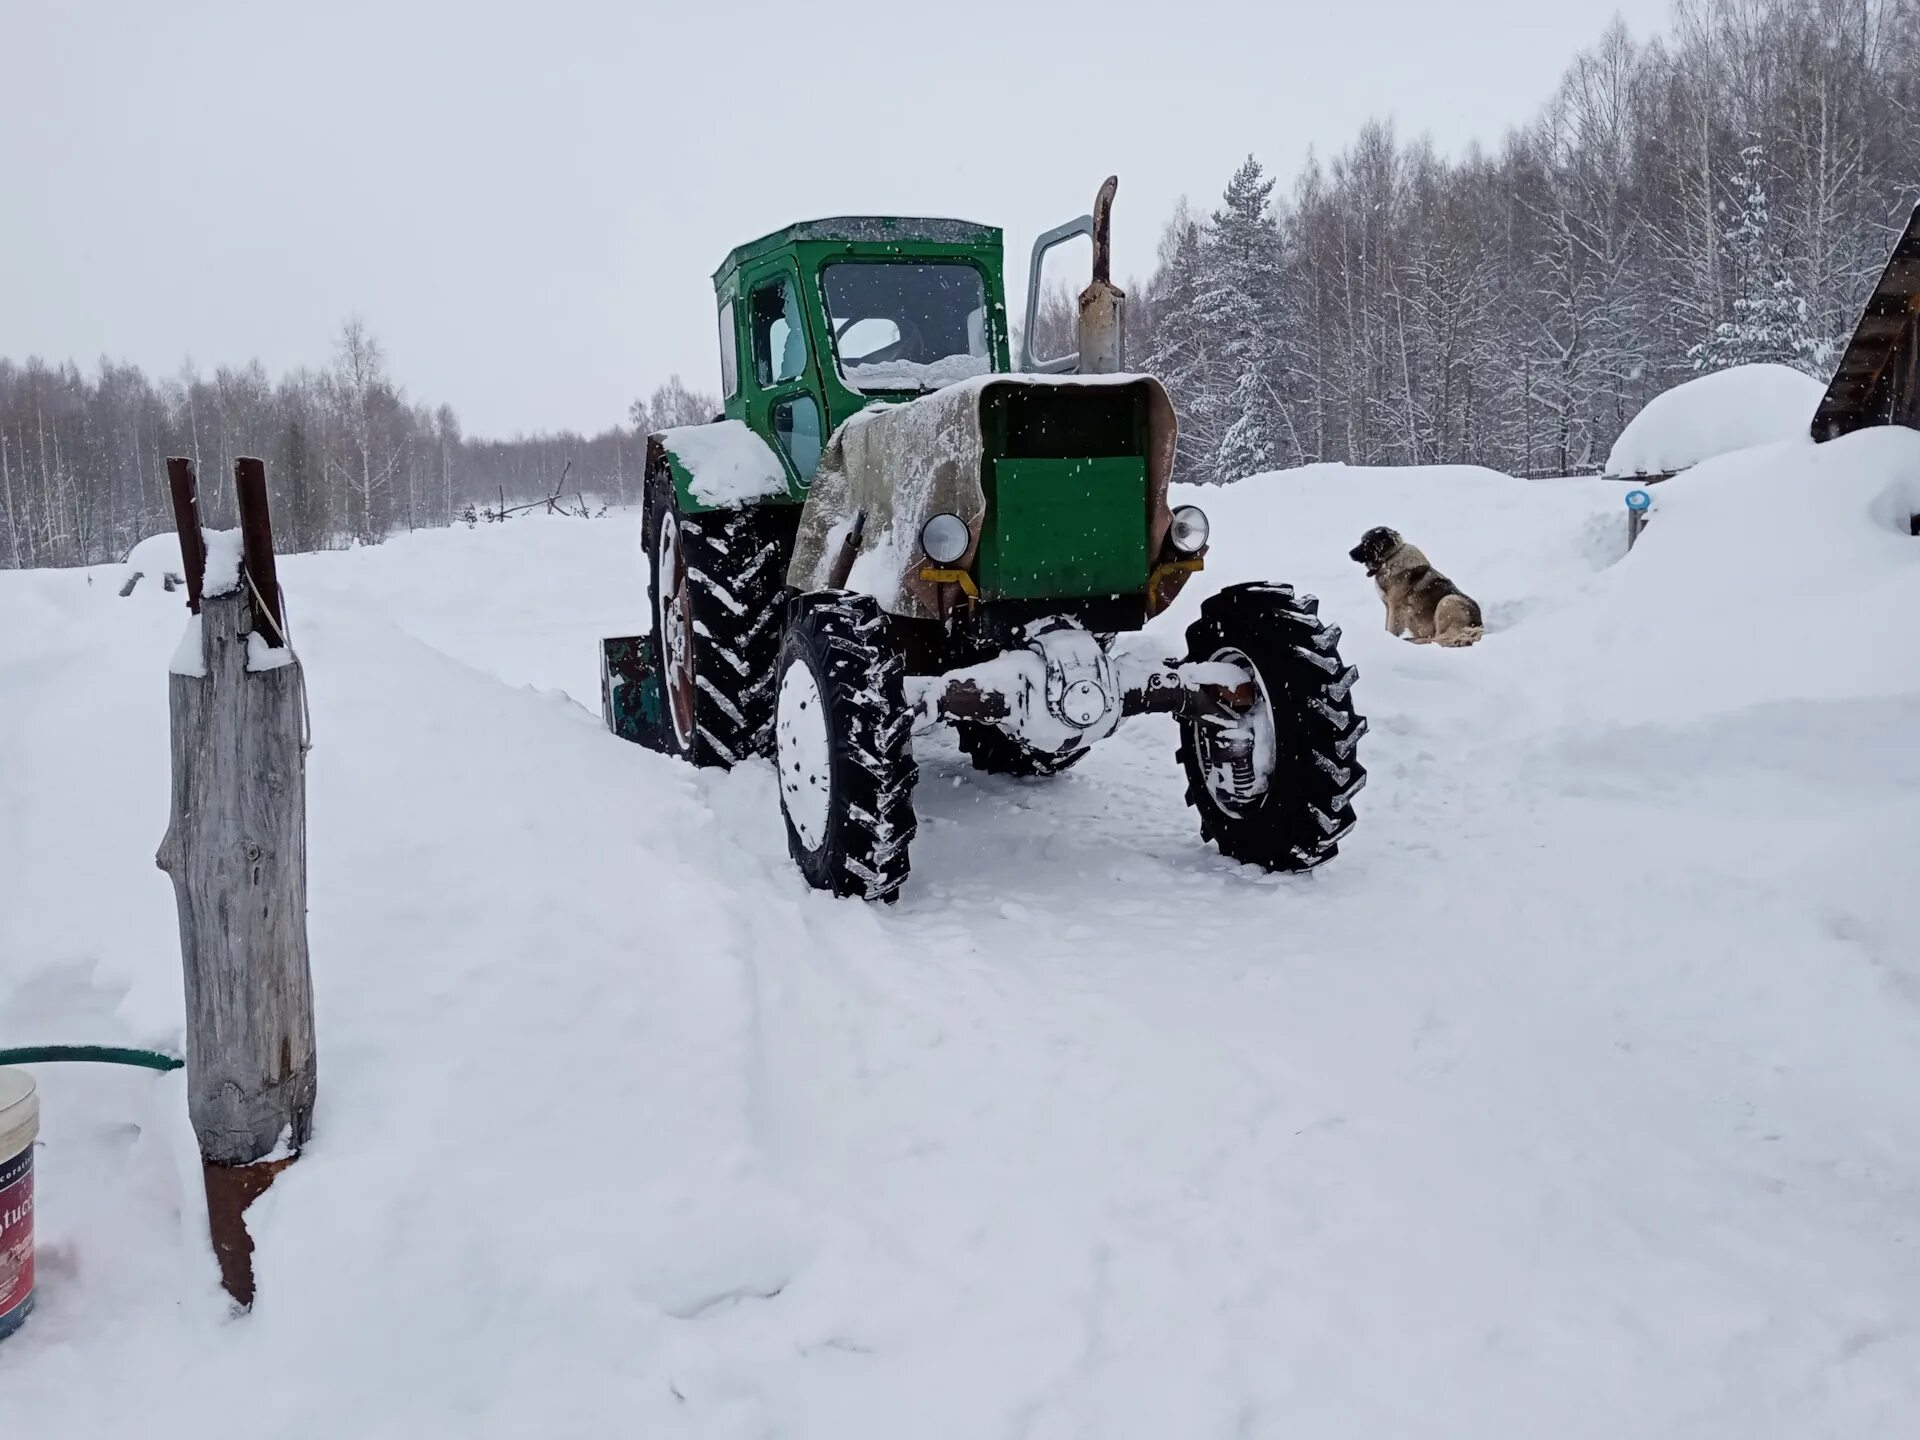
(803, 753)
(676, 661)
(1221, 789)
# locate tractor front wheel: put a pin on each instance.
(843, 747)
(1274, 785)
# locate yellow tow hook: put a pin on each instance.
(952, 577)
(1164, 569)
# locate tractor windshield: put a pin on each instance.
(911, 325)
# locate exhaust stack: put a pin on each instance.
(1102, 303)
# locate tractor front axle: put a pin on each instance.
(1063, 690)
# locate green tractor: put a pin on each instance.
(890, 529)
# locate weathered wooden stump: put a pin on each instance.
(235, 848)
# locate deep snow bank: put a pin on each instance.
(1755, 569)
(1717, 414)
(1579, 1097)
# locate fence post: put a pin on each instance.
(235, 849)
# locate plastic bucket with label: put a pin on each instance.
(19, 1124)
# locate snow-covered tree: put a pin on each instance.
(1179, 354)
(365, 403)
(1241, 277)
(1769, 320)
(670, 405)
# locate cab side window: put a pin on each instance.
(779, 334)
(796, 425)
(729, 367)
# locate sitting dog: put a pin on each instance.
(1421, 603)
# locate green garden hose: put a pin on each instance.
(97, 1054)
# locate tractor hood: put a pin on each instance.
(903, 464)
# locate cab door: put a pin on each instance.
(784, 398)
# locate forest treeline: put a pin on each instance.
(1725, 194)
(1722, 194)
(349, 458)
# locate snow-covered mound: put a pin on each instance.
(154, 557)
(1579, 1097)
(1715, 415)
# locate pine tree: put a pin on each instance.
(1242, 276)
(1179, 354)
(1769, 322)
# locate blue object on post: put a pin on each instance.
(1637, 503)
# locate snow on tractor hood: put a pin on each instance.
(905, 463)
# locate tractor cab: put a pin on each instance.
(823, 318)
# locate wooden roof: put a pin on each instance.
(1889, 313)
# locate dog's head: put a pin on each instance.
(1374, 548)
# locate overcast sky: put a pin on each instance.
(526, 202)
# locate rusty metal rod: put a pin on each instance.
(185, 487)
(842, 570)
(256, 542)
(230, 1190)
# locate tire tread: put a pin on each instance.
(1308, 806)
(871, 823)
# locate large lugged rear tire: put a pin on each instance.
(843, 747)
(716, 581)
(1288, 805)
(994, 751)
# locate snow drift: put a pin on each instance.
(1716, 414)
(1580, 1097)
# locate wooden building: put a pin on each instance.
(1878, 379)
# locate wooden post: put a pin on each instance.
(235, 848)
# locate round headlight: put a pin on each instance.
(1189, 530)
(945, 539)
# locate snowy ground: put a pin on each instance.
(1579, 1098)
